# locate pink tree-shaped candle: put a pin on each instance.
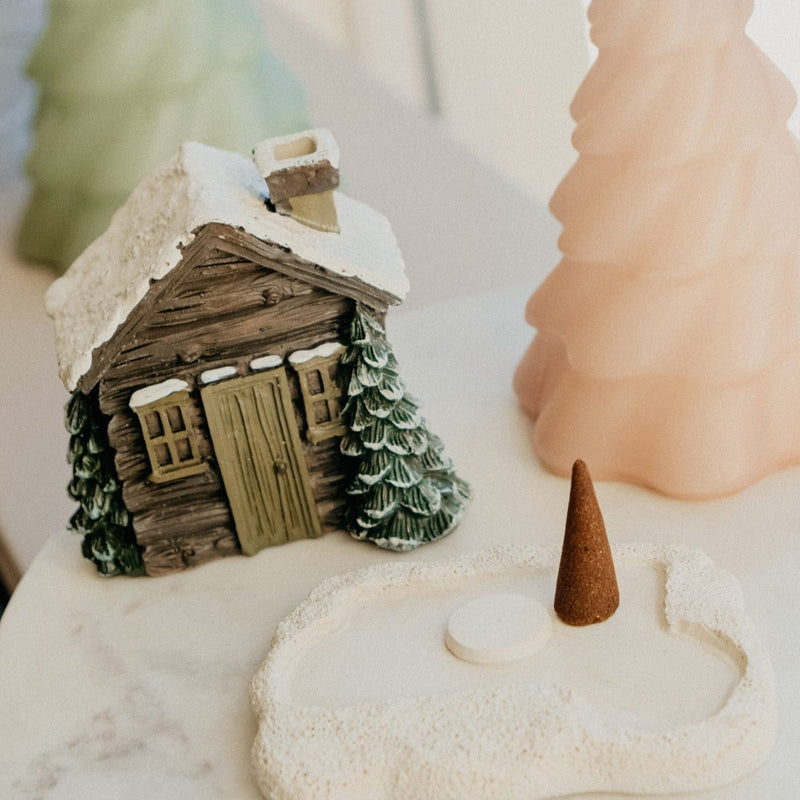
(668, 337)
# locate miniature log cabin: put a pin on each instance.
(203, 332)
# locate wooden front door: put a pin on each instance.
(258, 449)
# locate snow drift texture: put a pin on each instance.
(515, 741)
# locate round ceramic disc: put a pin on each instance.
(498, 628)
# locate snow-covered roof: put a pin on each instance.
(200, 185)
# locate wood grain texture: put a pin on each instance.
(179, 551)
(261, 459)
(240, 243)
(217, 308)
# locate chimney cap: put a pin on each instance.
(301, 163)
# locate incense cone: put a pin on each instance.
(586, 589)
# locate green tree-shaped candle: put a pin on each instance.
(122, 85)
(102, 518)
(404, 490)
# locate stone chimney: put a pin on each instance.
(301, 171)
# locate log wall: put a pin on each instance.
(214, 309)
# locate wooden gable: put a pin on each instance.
(206, 270)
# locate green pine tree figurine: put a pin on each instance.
(102, 518)
(404, 491)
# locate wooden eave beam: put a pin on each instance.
(239, 243)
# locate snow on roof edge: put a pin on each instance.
(90, 301)
(198, 186)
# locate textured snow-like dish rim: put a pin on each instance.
(144, 242)
(573, 751)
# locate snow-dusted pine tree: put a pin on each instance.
(668, 338)
(122, 85)
(404, 491)
(102, 518)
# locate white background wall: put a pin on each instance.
(775, 26)
(500, 72)
(504, 70)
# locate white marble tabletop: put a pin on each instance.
(132, 688)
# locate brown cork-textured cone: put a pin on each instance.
(586, 589)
